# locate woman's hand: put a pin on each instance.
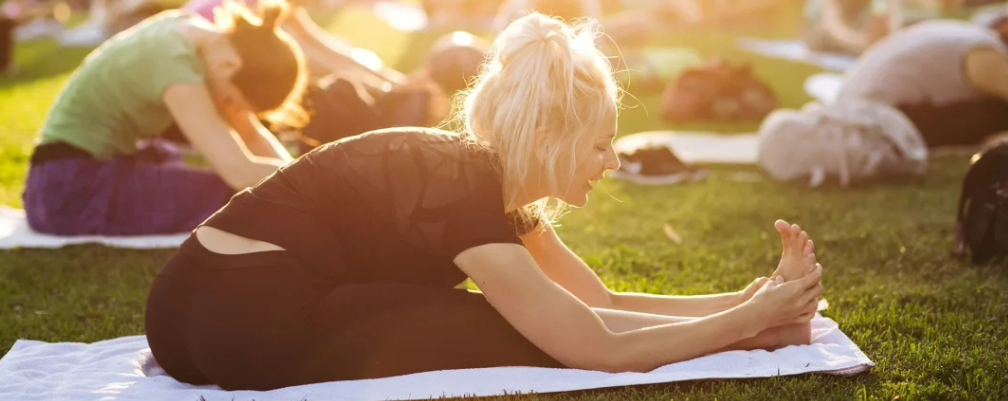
(787, 303)
(747, 294)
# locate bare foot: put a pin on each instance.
(798, 255)
(776, 338)
(795, 334)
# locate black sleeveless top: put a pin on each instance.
(394, 205)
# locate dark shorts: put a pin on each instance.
(264, 320)
(152, 192)
(958, 124)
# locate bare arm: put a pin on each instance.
(853, 40)
(564, 267)
(987, 70)
(331, 53)
(257, 139)
(568, 330)
(894, 14)
(196, 114)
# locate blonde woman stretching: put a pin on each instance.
(345, 263)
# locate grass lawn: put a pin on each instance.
(934, 326)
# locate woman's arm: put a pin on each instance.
(850, 38)
(331, 53)
(986, 70)
(565, 328)
(193, 109)
(258, 140)
(565, 268)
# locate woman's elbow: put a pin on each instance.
(240, 174)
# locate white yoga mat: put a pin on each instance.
(122, 369)
(824, 87)
(696, 147)
(15, 233)
(795, 50)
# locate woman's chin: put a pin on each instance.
(576, 200)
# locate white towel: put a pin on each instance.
(696, 147)
(15, 233)
(122, 369)
(795, 50)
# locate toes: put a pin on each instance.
(800, 241)
(783, 227)
(809, 247)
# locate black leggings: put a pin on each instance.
(963, 123)
(262, 321)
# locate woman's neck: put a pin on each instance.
(522, 195)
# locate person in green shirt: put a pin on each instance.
(100, 166)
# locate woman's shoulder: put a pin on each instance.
(415, 143)
(405, 159)
(156, 38)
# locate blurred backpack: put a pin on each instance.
(982, 216)
(717, 91)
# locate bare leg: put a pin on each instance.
(775, 338)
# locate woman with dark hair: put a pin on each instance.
(96, 169)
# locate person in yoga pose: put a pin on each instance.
(949, 77)
(324, 53)
(852, 26)
(848, 26)
(99, 167)
(346, 263)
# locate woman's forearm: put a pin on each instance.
(648, 348)
(618, 321)
(257, 139)
(332, 54)
(675, 305)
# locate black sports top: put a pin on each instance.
(394, 205)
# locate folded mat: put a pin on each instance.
(15, 233)
(122, 369)
(795, 50)
(696, 147)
